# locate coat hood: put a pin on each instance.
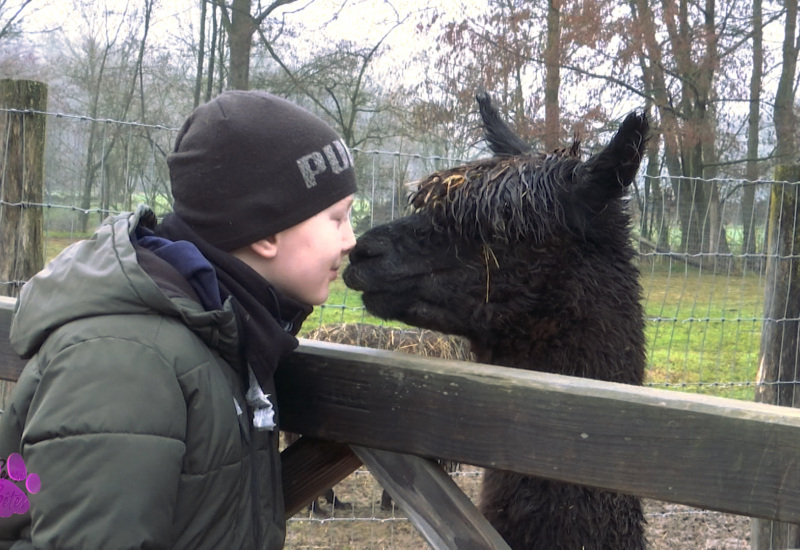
(102, 276)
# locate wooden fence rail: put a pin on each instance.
(392, 410)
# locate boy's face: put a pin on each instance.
(309, 254)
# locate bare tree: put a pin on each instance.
(106, 67)
(336, 82)
(241, 25)
(12, 12)
(488, 50)
(684, 71)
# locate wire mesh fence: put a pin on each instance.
(702, 255)
(703, 300)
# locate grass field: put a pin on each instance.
(703, 328)
(343, 306)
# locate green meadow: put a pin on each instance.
(703, 329)
(343, 306)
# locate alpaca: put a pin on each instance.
(528, 256)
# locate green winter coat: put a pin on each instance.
(132, 414)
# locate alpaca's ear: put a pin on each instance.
(606, 175)
(501, 140)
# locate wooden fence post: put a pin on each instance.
(22, 137)
(779, 364)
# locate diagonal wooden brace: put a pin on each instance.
(312, 466)
(436, 506)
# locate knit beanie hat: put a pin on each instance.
(248, 164)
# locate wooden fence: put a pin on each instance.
(395, 411)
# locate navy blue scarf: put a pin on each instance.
(268, 321)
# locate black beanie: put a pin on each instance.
(248, 164)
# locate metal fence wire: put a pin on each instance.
(703, 301)
(702, 260)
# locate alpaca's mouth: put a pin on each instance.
(351, 278)
(385, 305)
(378, 281)
(401, 306)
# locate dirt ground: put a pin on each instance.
(365, 525)
(671, 526)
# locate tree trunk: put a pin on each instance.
(240, 25)
(779, 367)
(654, 222)
(692, 214)
(654, 75)
(753, 123)
(552, 60)
(785, 120)
(201, 54)
(240, 35)
(212, 52)
(90, 168)
(717, 240)
(222, 70)
(658, 216)
(89, 177)
(22, 153)
(22, 161)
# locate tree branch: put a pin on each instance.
(257, 20)
(15, 17)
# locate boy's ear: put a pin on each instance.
(266, 248)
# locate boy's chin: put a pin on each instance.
(319, 300)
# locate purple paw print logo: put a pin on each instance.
(13, 500)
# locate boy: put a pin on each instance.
(147, 408)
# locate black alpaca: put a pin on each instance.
(528, 256)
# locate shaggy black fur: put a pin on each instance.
(528, 256)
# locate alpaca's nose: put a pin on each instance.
(357, 273)
(367, 247)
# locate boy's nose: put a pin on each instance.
(348, 240)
